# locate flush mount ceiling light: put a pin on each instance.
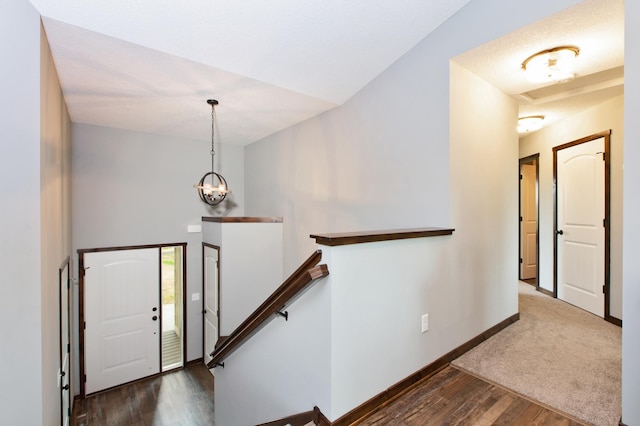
(212, 188)
(530, 123)
(557, 64)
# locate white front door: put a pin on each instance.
(528, 222)
(122, 316)
(210, 260)
(580, 234)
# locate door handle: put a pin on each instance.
(155, 318)
(154, 309)
(65, 387)
(559, 232)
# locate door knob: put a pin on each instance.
(65, 387)
(154, 309)
(560, 232)
(155, 318)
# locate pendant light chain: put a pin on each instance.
(215, 192)
(213, 152)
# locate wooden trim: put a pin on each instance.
(299, 419)
(607, 213)
(345, 238)
(194, 361)
(554, 186)
(159, 305)
(614, 320)
(242, 219)
(185, 328)
(140, 247)
(394, 392)
(293, 286)
(66, 264)
(81, 321)
(545, 291)
(319, 418)
(521, 161)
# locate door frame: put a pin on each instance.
(204, 295)
(607, 215)
(81, 307)
(65, 287)
(521, 161)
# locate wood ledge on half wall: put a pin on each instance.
(241, 219)
(345, 238)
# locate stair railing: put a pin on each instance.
(274, 305)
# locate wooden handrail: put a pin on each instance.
(301, 419)
(311, 261)
(308, 272)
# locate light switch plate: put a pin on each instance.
(195, 296)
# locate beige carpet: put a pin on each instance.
(562, 356)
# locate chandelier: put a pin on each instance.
(212, 188)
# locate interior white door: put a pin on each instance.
(210, 259)
(122, 334)
(580, 234)
(528, 223)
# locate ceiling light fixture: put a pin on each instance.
(557, 64)
(530, 123)
(212, 188)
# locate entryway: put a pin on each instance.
(132, 310)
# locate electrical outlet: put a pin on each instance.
(425, 323)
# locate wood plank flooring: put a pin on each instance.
(185, 398)
(180, 398)
(453, 397)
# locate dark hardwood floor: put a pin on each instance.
(180, 398)
(453, 397)
(185, 398)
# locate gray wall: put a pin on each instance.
(55, 214)
(132, 188)
(20, 304)
(631, 237)
(608, 115)
(379, 161)
(35, 217)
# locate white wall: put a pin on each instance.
(132, 188)
(608, 115)
(55, 216)
(20, 305)
(631, 237)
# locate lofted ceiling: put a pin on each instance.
(149, 66)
